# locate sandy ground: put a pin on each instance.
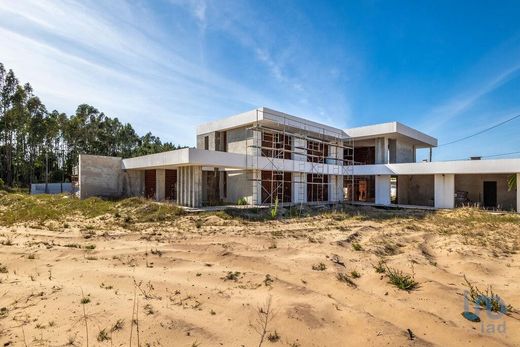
(169, 284)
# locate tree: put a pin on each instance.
(33, 140)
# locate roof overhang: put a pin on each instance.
(497, 166)
(392, 130)
(271, 118)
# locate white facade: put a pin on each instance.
(264, 154)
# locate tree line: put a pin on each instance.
(36, 145)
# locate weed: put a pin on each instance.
(342, 277)
(357, 247)
(273, 337)
(264, 316)
(103, 335)
(3, 312)
(242, 201)
(72, 245)
(31, 256)
(380, 267)
(268, 280)
(148, 309)
(319, 267)
(90, 247)
(232, 276)
(401, 280)
(52, 323)
(212, 312)
(118, 325)
(199, 223)
(156, 252)
(274, 209)
(7, 242)
(488, 299)
(85, 300)
(3, 269)
(355, 274)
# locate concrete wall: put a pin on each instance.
(211, 140)
(238, 186)
(132, 183)
(383, 189)
(237, 140)
(404, 152)
(415, 190)
(444, 190)
(474, 185)
(381, 145)
(99, 176)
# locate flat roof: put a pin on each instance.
(268, 116)
(391, 130)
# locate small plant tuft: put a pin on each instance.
(319, 267)
(103, 335)
(488, 299)
(401, 280)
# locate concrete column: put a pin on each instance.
(299, 189)
(381, 150)
(160, 184)
(335, 188)
(256, 197)
(444, 196)
(181, 186)
(197, 186)
(518, 192)
(255, 149)
(383, 189)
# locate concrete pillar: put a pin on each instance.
(444, 196)
(160, 184)
(299, 188)
(256, 197)
(196, 186)
(335, 188)
(383, 189)
(518, 192)
(255, 149)
(381, 144)
(189, 185)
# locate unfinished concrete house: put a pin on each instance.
(264, 156)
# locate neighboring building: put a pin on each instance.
(264, 155)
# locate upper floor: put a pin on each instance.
(269, 133)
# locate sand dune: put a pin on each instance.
(199, 280)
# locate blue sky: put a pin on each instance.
(447, 68)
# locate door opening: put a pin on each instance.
(490, 194)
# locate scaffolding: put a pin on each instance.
(315, 153)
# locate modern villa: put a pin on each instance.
(262, 156)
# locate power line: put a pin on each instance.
(500, 155)
(481, 132)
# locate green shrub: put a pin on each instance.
(401, 280)
(242, 201)
(274, 209)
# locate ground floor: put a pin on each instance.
(189, 182)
